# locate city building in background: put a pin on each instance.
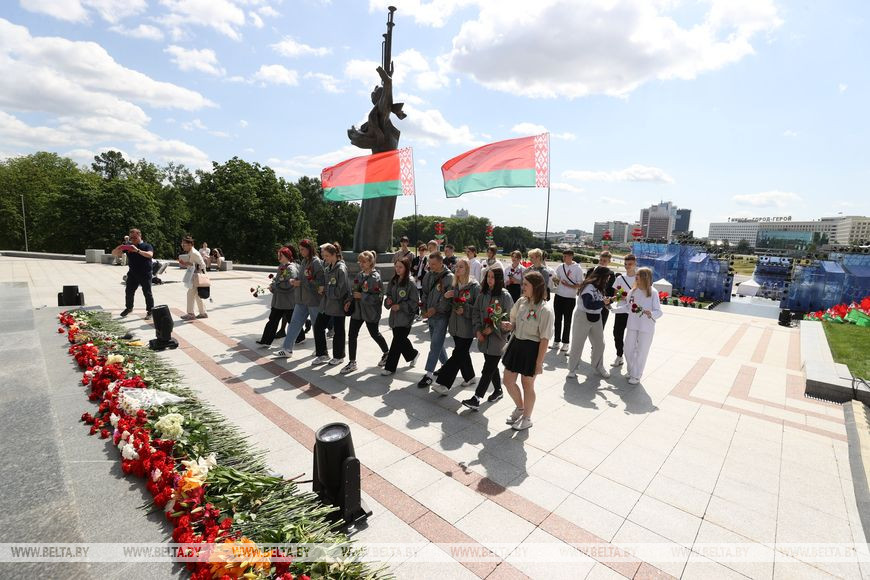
(661, 221)
(783, 233)
(620, 232)
(681, 226)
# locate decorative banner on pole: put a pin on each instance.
(380, 175)
(522, 162)
(490, 240)
(439, 233)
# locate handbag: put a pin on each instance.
(201, 280)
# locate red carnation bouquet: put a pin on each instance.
(461, 299)
(495, 315)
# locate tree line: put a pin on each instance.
(241, 207)
(465, 231)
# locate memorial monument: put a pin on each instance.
(374, 226)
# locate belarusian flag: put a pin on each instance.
(380, 175)
(523, 162)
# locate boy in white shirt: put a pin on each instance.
(567, 279)
(622, 285)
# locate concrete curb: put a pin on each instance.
(858, 433)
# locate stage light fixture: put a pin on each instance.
(70, 296)
(785, 317)
(163, 325)
(336, 474)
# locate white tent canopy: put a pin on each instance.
(748, 288)
(663, 285)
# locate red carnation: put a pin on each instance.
(60, 330)
(104, 433)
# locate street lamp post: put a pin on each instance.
(24, 219)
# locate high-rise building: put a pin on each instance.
(774, 232)
(620, 232)
(658, 221)
(681, 226)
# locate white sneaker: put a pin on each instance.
(282, 354)
(320, 360)
(565, 347)
(386, 373)
(556, 345)
(348, 368)
(633, 381)
(440, 389)
(618, 362)
(469, 383)
(604, 373)
(514, 417)
(335, 361)
(413, 362)
(522, 424)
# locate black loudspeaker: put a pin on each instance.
(163, 325)
(336, 475)
(70, 296)
(785, 317)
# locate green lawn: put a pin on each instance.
(850, 345)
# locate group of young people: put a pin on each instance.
(513, 314)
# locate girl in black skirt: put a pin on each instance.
(531, 322)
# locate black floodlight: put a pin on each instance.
(70, 296)
(163, 325)
(336, 474)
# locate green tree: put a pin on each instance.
(247, 211)
(743, 247)
(111, 165)
(515, 238)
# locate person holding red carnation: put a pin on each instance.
(283, 293)
(463, 293)
(641, 326)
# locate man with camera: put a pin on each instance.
(139, 254)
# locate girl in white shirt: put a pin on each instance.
(192, 260)
(643, 311)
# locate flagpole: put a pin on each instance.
(547, 219)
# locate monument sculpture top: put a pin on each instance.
(374, 226)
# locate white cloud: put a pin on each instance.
(562, 48)
(312, 165)
(268, 12)
(533, 129)
(290, 48)
(789, 133)
(243, 123)
(632, 173)
(166, 150)
(434, 13)
(559, 186)
(221, 15)
(86, 156)
(328, 83)
(842, 87)
(144, 31)
(410, 67)
(778, 199)
(429, 127)
(79, 10)
(202, 60)
(195, 124)
(612, 200)
(276, 74)
(255, 19)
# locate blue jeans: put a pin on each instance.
(437, 335)
(300, 313)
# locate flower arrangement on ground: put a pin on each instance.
(857, 313)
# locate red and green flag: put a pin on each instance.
(522, 162)
(380, 175)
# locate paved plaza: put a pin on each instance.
(717, 445)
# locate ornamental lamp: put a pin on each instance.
(336, 474)
(70, 296)
(163, 325)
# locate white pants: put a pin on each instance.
(191, 296)
(580, 329)
(637, 345)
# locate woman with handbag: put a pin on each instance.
(587, 322)
(193, 278)
(283, 293)
(367, 291)
(335, 304)
(463, 294)
(493, 302)
(401, 301)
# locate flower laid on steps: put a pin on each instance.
(199, 469)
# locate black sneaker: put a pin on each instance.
(281, 334)
(125, 312)
(300, 338)
(473, 403)
(148, 315)
(496, 396)
(437, 372)
(425, 382)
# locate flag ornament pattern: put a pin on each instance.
(521, 162)
(385, 174)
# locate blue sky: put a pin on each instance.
(727, 107)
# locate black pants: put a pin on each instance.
(320, 335)
(135, 280)
(605, 312)
(400, 346)
(372, 327)
(563, 308)
(459, 361)
(515, 290)
(488, 375)
(619, 331)
(276, 316)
